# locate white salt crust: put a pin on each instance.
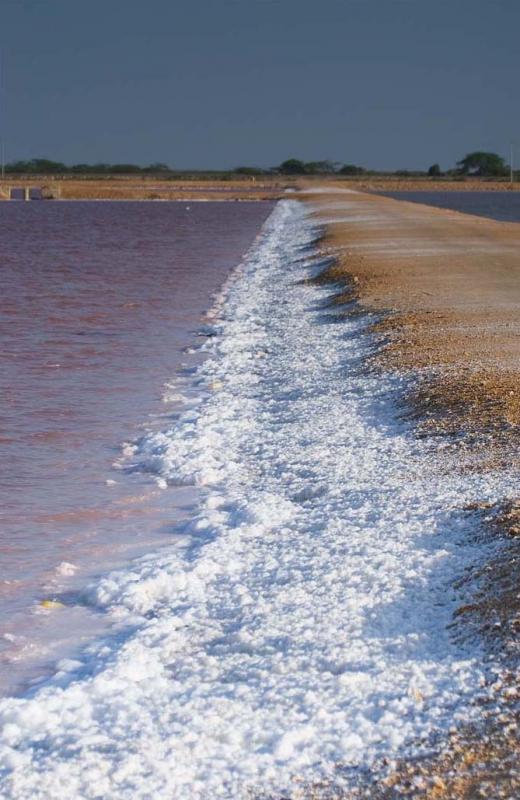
(298, 629)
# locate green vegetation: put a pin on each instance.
(293, 166)
(351, 169)
(44, 166)
(321, 167)
(482, 165)
(478, 164)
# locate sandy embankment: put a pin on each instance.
(264, 187)
(125, 188)
(378, 183)
(447, 287)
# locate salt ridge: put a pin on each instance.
(297, 631)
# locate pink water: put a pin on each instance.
(99, 302)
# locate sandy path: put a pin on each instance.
(448, 288)
(452, 283)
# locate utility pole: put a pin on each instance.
(2, 114)
(511, 173)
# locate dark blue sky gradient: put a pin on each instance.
(218, 83)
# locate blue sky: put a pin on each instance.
(219, 83)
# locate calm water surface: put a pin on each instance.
(99, 302)
(504, 206)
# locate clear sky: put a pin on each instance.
(220, 83)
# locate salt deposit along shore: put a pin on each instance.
(304, 637)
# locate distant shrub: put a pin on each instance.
(156, 167)
(320, 167)
(44, 166)
(351, 169)
(482, 164)
(36, 166)
(292, 166)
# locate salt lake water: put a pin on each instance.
(98, 304)
(503, 206)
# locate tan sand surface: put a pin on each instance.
(393, 183)
(448, 287)
(147, 188)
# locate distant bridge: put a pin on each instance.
(17, 192)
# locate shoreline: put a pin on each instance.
(301, 624)
(114, 516)
(275, 187)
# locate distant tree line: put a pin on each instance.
(44, 166)
(477, 164)
(294, 166)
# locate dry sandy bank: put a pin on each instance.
(150, 188)
(447, 287)
(406, 184)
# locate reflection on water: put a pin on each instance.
(98, 303)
